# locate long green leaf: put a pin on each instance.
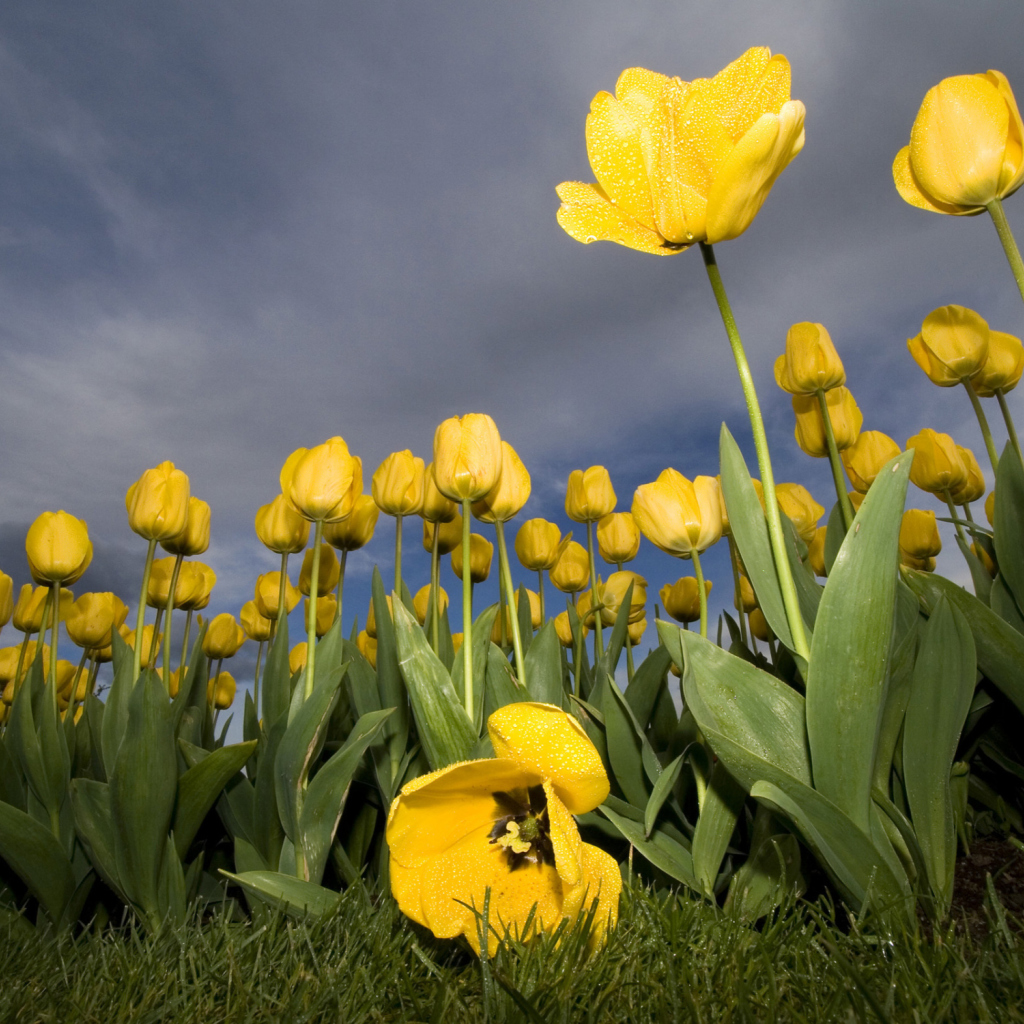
(38, 859)
(115, 710)
(625, 744)
(286, 892)
(94, 822)
(276, 678)
(850, 649)
(1002, 603)
(661, 792)
(716, 823)
(660, 849)
(1008, 522)
(389, 677)
(544, 667)
(648, 683)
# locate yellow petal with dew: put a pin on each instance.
(587, 215)
(1012, 175)
(565, 838)
(601, 880)
(910, 192)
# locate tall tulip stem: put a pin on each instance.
(598, 638)
(510, 596)
(782, 568)
(845, 505)
(282, 590)
(341, 581)
(702, 594)
(54, 628)
(182, 661)
(314, 583)
(467, 614)
(995, 209)
(435, 588)
(1011, 430)
(540, 594)
(398, 555)
(986, 433)
(956, 525)
(168, 608)
(140, 619)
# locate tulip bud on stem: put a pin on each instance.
(986, 433)
(964, 546)
(54, 627)
(1010, 428)
(782, 568)
(168, 609)
(506, 579)
(845, 505)
(1002, 225)
(341, 580)
(702, 593)
(398, 554)
(435, 589)
(467, 613)
(314, 582)
(140, 619)
(598, 639)
(282, 590)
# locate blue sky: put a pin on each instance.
(227, 232)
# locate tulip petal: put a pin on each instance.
(1012, 175)
(601, 880)
(588, 216)
(681, 174)
(565, 838)
(911, 192)
(543, 740)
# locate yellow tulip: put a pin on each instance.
(746, 600)
(398, 484)
(589, 495)
(636, 630)
(856, 500)
(759, 625)
(371, 618)
(196, 581)
(157, 503)
(538, 544)
(613, 592)
(220, 690)
(467, 456)
(965, 146)
(990, 507)
(9, 657)
(618, 537)
(6, 599)
(563, 630)
(195, 538)
(1002, 367)
(509, 494)
(267, 592)
(280, 527)
(328, 575)
(816, 551)
(919, 539)
(985, 558)
(368, 647)
(174, 682)
(572, 570)
(678, 516)
(844, 413)
(803, 511)
(974, 486)
(326, 612)
(952, 345)
(151, 641)
(28, 611)
(58, 548)
(92, 619)
(160, 583)
(681, 599)
(422, 600)
(449, 535)
(320, 481)
(481, 551)
(224, 636)
(867, 455)
(297, 657)
(810, 362)
(356, 530)
(683, 162)
(257, 626)
(937, 467)
(436, 507)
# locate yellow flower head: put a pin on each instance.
(810, 361)
(618, 537)
(505, 824)
(356, 530)
(952, 345)
(683, 162)
(539, 544)
(681, 599)
(677, 515)
(1002, 367)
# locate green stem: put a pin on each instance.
(598, 638)
(341, 580)
(702, 594)
(282, 590)
(506, 578)
(467, 614)
(140, 619)
(956, 525)
(782, 568)
(184, 644)
(314, 583)
(435, 589)
(256, 680)
(540, 594)
(168, 608)
(993, 455)
(21, 659)
(734, 561)
(54, 627)
(995, 209)
(73, 706)
(398, 555)
(1008, 419)
(845, 505)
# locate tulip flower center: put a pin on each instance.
(522, 827)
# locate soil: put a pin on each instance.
(998, 858)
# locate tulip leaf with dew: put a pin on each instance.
(443, 726)
(500, 687)
(766, 877)
(115, 709)
(661, 792)
(94, 823)
(524, 615)
(12, 785)
(276, 679)
(660, 849)
(648, 685)
(850, 649)
(389, 678)
(1003, 604)
(750, 532)
(481, 640)
(940, 696)
(979, 574)
(544, 667)
(199, 788)
(897, 694)
(719, 812)
(286, 892)
(325, 797)
(626, 741)
(1008, 522)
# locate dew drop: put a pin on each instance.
(590, 238)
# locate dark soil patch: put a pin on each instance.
(1005, 863)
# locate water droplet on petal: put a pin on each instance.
(590, 238)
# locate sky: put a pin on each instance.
(228, 231)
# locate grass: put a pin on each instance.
(672, 958)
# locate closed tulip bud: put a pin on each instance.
(759, 625)
(679, 516)
(159, 585)
(985, 558)
(280, 527)
(92, 619)
(937, 466)
(856, 499)
(509, 494)
(449, 535)
(58, 548)
(328, 575)
(539, 544)
(636, 630)
(496, 629)
(319, 482)
(357, 530)
(8, 695)
(66, 671)
(974, 487)
(326, 612)
(157, 503)
(810, 362)
(174, 683)
(990, 508)
(28, 611)
(563, 630)
(802, 510)
(618, 537)
(457, 639)
(965, 146)
(952, 345)
(9, 662)
(6, 599)
(747, 597)
(865, 458)
(195, 538)
(481, 551)
(436, 507)
(32, 650)
(844, 413)
(421, 602)
(368, 647)
(266, 594)
(613, 592)
(919, 535)
(535, 622)
(1002, 367)
(398, 484)
(589, 495)
(220, 690)
(371, 618)
(572, 570)
(224, 636)
(681, 600)
(297, 657)
(257, 626)
(151, 641)
(467, 456)
(816, 551)
(196, 581)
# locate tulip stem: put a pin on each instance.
(282, 590)
(956, 525)
(398, 556)
(540, 595)
(1002, 225)
(435, 588)
(734, 561)
(845, 505)
(1008, 419)
(314, 583)
(341, 582)
(782, 568)
(140, 618)
(182, 662)
(986, 433)
(598, 638)
(256, 680)
(506, 579)
(168, 608)
(702, 594)
(467, 615)
(54, 627)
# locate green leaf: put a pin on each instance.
(501, 687)
(835, 534)
(999, 647)
(618, 634)
(897, 694)
(199, 788)
(276, 679)
(12, 786)
(660, 849)
(325, 797)
(850, 649)
(761, 881)
(1002, 603)
(979, 574)
(192, 692)
(544, 667)
(1008, 522)
(38, 859)
(171, 886)
(482, 630)
(444, 727)
(808, 589)
(647, 684)
(625, 744)
(389, 676)
(940, 697)
(267, 832)
(719, 813)
(660, 793)
(115, 709)
(95, 824)
(286, 892)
